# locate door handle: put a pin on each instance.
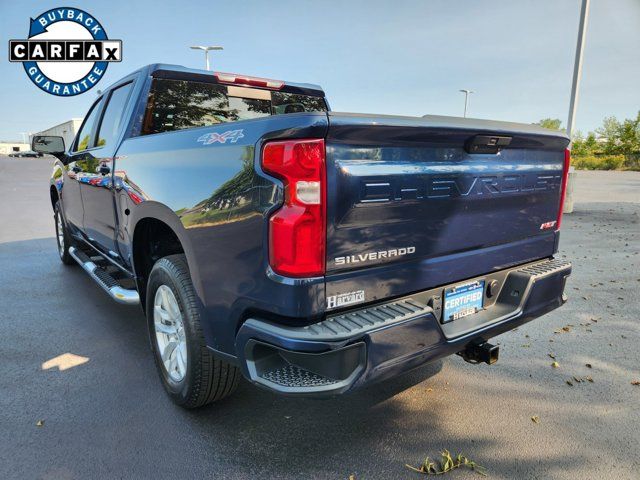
(104, 170)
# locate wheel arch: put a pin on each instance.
(157, 233)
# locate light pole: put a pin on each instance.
(577, 67)
(24, 136)
(466, 99)
(206, 52)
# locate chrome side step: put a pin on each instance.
(104, 279)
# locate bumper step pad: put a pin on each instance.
(352, 323)
(295, 377)
(546, 268)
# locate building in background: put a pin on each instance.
(66, 130)
(12, 147)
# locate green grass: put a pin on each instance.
(605, 162)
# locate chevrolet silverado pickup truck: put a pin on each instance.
(309, 251)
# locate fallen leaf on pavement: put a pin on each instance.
(40, 423)
(569, 383)
(552, 355)
(635, 382)
(535, 419)
(555, 364)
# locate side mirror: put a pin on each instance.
(47, 144)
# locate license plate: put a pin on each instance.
(462, 300)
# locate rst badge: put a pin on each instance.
(548, 225)
(67, 51)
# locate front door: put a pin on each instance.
(75, 170)
(70, 196)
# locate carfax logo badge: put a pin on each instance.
(67, 51)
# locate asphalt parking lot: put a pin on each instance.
(109, 417)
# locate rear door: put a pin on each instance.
(97, 186)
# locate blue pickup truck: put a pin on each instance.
(312, 252)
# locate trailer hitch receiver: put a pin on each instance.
(480, 352)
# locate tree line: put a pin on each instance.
(614, 145)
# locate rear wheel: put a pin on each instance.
(190, 373)
(63, 239)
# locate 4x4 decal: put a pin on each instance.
(232, 135)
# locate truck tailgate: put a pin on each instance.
(408, 207)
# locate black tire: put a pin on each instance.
(207, 378)
(63, 239)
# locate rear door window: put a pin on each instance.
(180, 104)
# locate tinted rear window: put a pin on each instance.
(180, 104)
(282, 102)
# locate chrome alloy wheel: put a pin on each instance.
(170, 334)
(60, 234)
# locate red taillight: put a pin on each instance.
(297, 231)
(563, 186)
(235, 79)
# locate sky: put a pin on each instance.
(389, 57)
